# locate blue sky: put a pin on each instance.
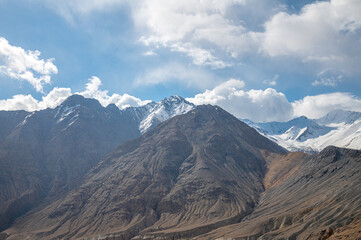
(259, 59)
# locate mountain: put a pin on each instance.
(202, 175)
(307, 197)
(191, 174)
(46, 153)
(152, 114)
(339, 128)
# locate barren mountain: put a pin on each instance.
(45, 153)
(307, 197)
(192, 174)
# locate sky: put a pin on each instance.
(258, 59)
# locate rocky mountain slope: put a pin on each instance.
(307, 197)
(339, 128)
(45, 153)
(192, 174)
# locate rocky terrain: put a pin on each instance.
(308, 197)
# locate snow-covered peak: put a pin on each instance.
(340, 128)
(163, 110)
(339, 116)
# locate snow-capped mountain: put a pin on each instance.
(152, 114)
(339, 128)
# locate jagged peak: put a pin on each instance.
(175, 99)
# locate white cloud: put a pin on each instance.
(28, 103)
(150, 53)
(175, 72)
(121, 101)
(328, 78)
(319, 105)
(324, 32)
(18, 63)
(257, 105)
(55, 97)
(273, 81)
(188, 26)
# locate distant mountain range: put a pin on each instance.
(338, 128)
(172, 170)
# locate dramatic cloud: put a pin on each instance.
(175, 72)
(319, 105)
(58, 95)
(257, 105)
(18, 63)
(121, 101)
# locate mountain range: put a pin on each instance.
(172, 170)
(339, 128)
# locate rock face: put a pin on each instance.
(188, 176)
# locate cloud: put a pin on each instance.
(326, 32)
(195, 28)
(56, 96)
(150, 53)
(200, 56)
(257, 105)
(121, 101)
(18, 63)
(28, 103)
(319, 105)
(175, 72)
(72, 9)
(273, 81)
(328, 78)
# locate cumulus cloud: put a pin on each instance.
(21, 64)
(56, 96)
(188, 26)
(28, 103)
(319, 105)
(175, 72)
(121, 101)
(326, 32)
(257, 105)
